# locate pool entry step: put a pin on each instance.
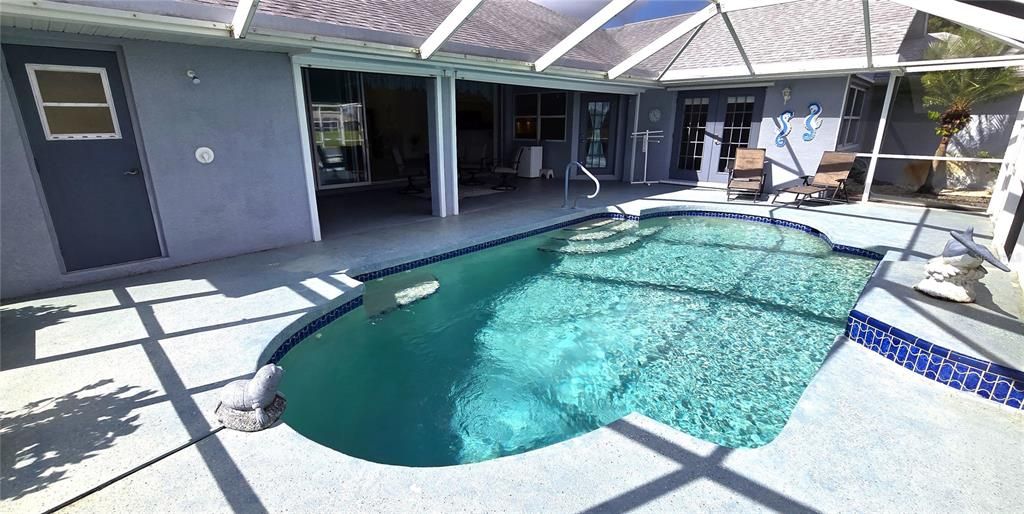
(600, 237)
(382, 296)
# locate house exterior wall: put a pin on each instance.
(659, 155)
(1007, 207)
(798, 158)
(785, 165)
(252, 197)
(556, 153)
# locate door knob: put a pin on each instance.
(133, 171)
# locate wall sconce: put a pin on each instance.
(192, 75)
(787, 93)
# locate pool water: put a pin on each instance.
(713, 326)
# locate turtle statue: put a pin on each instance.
(254, 404)
(952, 275)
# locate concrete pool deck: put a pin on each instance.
(100, 379)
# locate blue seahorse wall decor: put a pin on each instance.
(784, 128)
(812, 121)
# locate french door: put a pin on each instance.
(712, 125)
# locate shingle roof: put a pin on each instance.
(522, 30)
(798, 31)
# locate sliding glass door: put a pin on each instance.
(337, 127)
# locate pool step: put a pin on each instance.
(604, 232)
(398, 291)
(624, 240)
(593, 225)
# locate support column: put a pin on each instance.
(893, 77)
(444, 183)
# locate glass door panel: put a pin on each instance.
(337, 127)
(739, 116)
(597, 151)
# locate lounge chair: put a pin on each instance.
(829, 181)
(507, 173)
(409, 172)
(747, 173)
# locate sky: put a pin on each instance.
(639, 11)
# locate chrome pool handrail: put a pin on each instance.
(568, 170)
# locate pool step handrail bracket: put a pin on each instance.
(568, 172)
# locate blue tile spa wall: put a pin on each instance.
(986, 379)
(339, 311)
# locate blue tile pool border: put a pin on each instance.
(321, 321)
(989, 380)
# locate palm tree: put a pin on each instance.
(950, 95)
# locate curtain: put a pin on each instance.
(596, 154)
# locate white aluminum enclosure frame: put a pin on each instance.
(448, 27)
(241, 22)
(609, 11)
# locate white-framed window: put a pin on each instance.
(850, 129)
(540, 116)
(73, 102)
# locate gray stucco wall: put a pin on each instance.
(252, 197)
(786, 164)
(659, 156)
(799, 157)
(556, 153)
(27, 251)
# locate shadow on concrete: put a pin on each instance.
(44, 438)
(693, 467)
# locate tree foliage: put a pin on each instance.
(950, 95)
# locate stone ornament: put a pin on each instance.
(952, 275)
(254, 404)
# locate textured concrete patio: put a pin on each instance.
(99, 380)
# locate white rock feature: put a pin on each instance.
(953, 275)
(398, 291)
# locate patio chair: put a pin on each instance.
(409, 172)
(829, 181)
(507, 174)
(747, 173)
(473, 163)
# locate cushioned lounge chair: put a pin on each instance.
(747, 173)
(507, 173)
(828, 183)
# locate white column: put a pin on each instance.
(444, 184)
(893, 77)
(307, 156)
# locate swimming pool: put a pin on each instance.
(713, 326)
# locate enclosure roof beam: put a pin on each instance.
(739, 5)
(609, 11)
(736, 40)
(867, 33)
(242, 20)
(682, 49)
(664, 40)
(977, 18)
(448, 27)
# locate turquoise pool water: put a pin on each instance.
(713, 326)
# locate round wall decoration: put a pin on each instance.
(654, 115)
(204, 155)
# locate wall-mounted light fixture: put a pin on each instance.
(192, 75)
(787, 94)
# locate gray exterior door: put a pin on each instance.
(598, 123)
(76, 117)
(713, 124)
